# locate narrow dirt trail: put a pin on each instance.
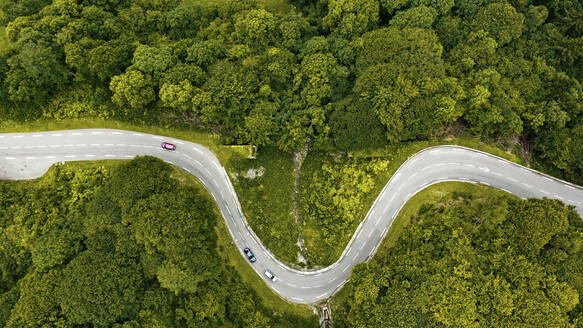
(299, 157)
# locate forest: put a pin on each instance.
(340, 74)
(130, 246)
(127, 246)
(474, 260)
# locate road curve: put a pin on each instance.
(29, 155)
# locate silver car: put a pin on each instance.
(270, 275)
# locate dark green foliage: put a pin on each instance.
(100, 288)
(122, 247)
(271, 74)
(354, 124)
(495, 261)
(35, 71)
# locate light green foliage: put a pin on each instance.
(501, 21)
(391, 6)
(123, 246)
(54, 247)
(401, 72)
(205, 53)
(535, 16)
(177, 96)
(37, 304)
(421, 16)
(492, 106)
(292, 30)
(261, 123)
(256, 26)
(441, 6)
(469, 260)
(351, 18)
(177, 74)
(132, 89)
(266, 199)
(478, 51)
(151, 60)
(320, 71)
(332, 199)
(505, 70)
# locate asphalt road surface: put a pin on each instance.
(29, 155)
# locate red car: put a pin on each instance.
(168, 146)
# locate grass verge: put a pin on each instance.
(265, 187)
(209, 140)
(434, 194)
(226, 248)
(266, 200)
(322, 254)
(229, 252)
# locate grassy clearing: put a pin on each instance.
(320, 253)
(228, 251)
(226, 248)
(399, 153)
(435, 194)
(267, 200)
(210, 140)
(311, 235)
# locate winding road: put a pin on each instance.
(29, 155)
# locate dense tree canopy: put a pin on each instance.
(126, 246)
(323, 73)
(494, 261)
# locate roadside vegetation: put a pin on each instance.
(264, 186)
(337, 189)
(352, 75)
(125, 244)
(363, 84)
(464, 255)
